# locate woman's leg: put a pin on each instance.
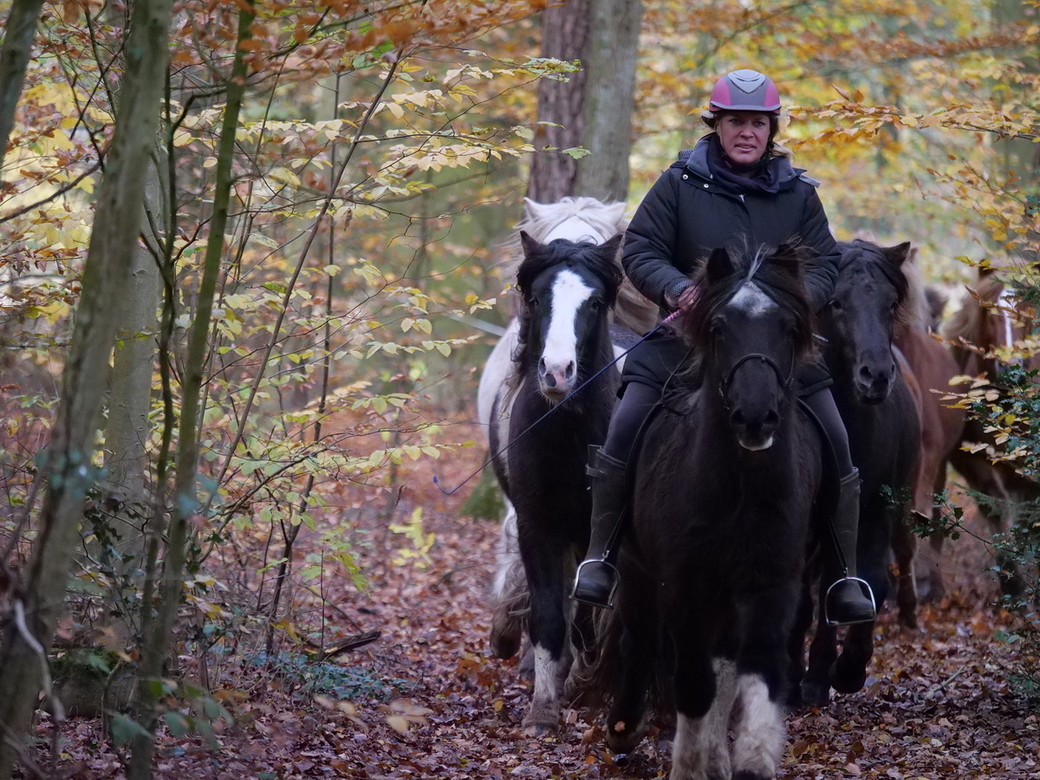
(849, 599)
(597, 578)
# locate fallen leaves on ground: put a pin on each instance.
(940, 702)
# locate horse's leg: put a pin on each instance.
(693, 631)
(796, 641)
(904, 546)
(878, 520)
(510, 591)
(583, 642)
(543, 563)
(719, 765)
(823, 652)
(992, 480)
(934, 575)
(636, 659)
(766, 619)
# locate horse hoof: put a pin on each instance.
(844, 681)
(624, 740)
(543, 719)
(507, 632)
(815, 694)
(908, 619)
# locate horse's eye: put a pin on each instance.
(835, 304)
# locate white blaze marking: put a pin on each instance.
(569, 292)
(752, 300)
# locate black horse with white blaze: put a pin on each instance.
(567, 289)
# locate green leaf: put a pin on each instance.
(178, 725)
(124, 729)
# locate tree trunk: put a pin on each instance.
(1020, 156)
(128, 430)
(158, 629)
(67, 468)
(610, 82)
(19, 32)
(554, 174)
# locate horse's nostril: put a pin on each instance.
(865, 373)
(570, 371)
(772, 419)
(738, 418)
(541, 367)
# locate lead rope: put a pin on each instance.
(537, 422)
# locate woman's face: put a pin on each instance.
(743, 135)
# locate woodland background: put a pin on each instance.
(250, 270)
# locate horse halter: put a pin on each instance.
(724, 384)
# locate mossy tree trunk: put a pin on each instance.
(67, 467)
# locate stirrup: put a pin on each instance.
(613, 589)
(864, 586)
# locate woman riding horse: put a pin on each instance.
(735, 186)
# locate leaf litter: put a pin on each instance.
(940, 702)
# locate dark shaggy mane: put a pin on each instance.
(779, 274)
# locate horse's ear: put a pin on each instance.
(611, 246)
(529, 244)
(616, 212)
(533, 209)
(897, 255)
(719, 265)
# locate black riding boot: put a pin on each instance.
(849, 599)
(597, 576)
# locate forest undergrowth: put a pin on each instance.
(426, 700)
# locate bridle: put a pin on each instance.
(785, 382)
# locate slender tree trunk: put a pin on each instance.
(19, 31)
(612, 50)
(554, 174)
(128, 429)
(157, 631)
(67, 468)
(1021, 156)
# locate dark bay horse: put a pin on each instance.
(567, 289)
(989, 332)
(712, 563)
(870, 297)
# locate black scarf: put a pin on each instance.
(758, 177)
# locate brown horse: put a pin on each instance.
(988, 333)
(928, 368)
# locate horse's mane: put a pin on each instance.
(778, 273)
(632, 310)
(912, 309)
(965, 322)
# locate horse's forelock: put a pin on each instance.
(777, 273)
(899, 273)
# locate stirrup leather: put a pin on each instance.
(613, 589)
(864, 585)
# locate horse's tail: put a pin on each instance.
(606, 675)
